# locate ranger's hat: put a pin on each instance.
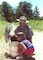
(22, 19)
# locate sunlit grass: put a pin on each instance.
(36, 24)
(2, 27)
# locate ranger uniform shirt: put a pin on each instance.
(26, 30)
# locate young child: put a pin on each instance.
(25, 47)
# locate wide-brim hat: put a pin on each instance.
(22, 19)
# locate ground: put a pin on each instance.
(37, 42)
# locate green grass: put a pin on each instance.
(36, 24)
(2, 27)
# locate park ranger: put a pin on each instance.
(24, 27)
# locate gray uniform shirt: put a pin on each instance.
(26, 30)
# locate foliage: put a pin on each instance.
(27, 9)
(24, 8)
(41, 18)
(36, 13)
(36, 24)
(8, 12)
(1, 13)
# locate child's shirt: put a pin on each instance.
(27, 43)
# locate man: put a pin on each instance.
(23, 27)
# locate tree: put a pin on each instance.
(36, 12)
(24, 8)
(8, 12)
(27, 9)
(19, 10)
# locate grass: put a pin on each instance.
(2, 27)
(36, 24)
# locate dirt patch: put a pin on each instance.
(38, 44)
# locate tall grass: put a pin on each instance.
(36, 24)
(2, 27)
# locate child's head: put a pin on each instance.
(20, 36)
